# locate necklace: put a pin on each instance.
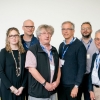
(18, 68)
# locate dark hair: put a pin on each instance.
(87, 23)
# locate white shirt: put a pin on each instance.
(95, 77)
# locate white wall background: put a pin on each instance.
(52, 12)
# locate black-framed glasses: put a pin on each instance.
(12, 36)
(66, 29)
(30, 27)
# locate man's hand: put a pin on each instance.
(74, 92)
(49, 86)
(55, 84)
(92, 96)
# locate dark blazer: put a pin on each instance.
(92, 65)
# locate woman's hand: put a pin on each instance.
(13, 90)
(20, 91)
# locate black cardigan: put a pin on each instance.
(8, 74)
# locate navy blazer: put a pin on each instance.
(92, 65)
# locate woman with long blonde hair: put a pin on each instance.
(12, 72)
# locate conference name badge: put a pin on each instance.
(62, 61)
(52, 67)
(88, 56)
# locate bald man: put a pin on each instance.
(28, 38)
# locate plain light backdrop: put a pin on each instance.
(52, 12)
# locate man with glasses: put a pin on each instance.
(86, 31)
(72, 53)
(28, 38)
(94, 76)
(42, 62)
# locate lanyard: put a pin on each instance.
(44, 49)
(64, 51)
(97, 61)
(31, 43)
(26, 45)
(89, 44)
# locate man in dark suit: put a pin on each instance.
(94, 77)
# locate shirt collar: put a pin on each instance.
(88, 41)
(97, 52)
(45, 48)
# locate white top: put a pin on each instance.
(95, 77)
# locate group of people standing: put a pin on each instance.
(31, 68)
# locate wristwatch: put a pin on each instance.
(76, 86)
(44, 83)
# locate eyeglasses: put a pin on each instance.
(32, 27)
(44, 33)
(66, 29)
(97, 39)
(13, 36)
(83, 29)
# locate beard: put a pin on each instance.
(86, 36)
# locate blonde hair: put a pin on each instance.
(20, 46)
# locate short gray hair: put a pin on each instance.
(45, 26)
(98, 31)
(66, 22)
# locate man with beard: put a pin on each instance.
(86, 30)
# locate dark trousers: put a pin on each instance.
(0, 87)
(83, 88)
(26, 92)
(65, 92)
